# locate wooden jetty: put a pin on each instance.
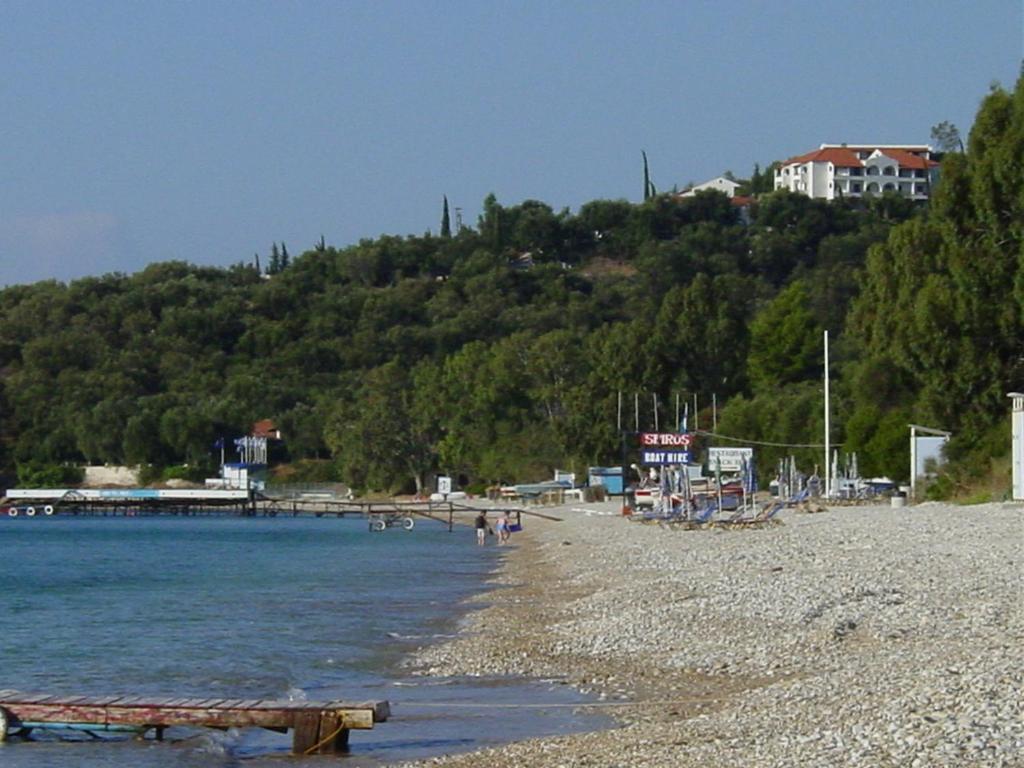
(317, 727)
(145, 502)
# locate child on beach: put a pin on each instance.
(501, 526)
(482, 529)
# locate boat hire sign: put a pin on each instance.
(665, 447)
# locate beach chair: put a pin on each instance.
(705, 514)
(769, 511)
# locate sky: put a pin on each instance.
(137, 132)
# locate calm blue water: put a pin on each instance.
(250, 608)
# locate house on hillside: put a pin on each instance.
(855, 170)
(265, 428)
(728, 187)
(719, 184)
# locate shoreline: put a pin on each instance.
(859, 636)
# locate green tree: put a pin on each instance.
(446, 225)
(947, 137)
(649, 190)
(786, 344)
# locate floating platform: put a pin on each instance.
(317, 727)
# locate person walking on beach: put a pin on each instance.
(481, 528)
(501, 526)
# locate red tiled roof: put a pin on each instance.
(265, 428)
(741, 200)
(909, 159)
(846, 157)
(838, 156)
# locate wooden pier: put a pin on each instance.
(317, 727)
(145, 502)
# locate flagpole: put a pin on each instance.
(828, 453)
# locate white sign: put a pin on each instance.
(444, 485)
(729, 459)
(665, 457)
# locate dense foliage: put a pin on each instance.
(497, 352)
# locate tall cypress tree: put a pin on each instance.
(446, 224)
(647, 178)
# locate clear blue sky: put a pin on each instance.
(135, 132)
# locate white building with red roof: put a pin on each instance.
(847, 170)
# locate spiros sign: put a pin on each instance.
(729, 459)
(661, 448)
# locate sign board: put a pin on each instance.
(929, 454)
(665, 457)
(677, 440)
(729, 459)
(444, 485)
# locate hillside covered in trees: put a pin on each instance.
(496, 352)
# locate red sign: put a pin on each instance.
(666, 439)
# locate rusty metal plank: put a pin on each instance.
(104, 700)
(190, 702)
(67, 700)
(138, 713)
(285, 704)
(120, 698)
(248, 704)
(356, 718)
(129, 701)
(31, 698)
(176, 702)
(230, 703)
(381, 709)
(210, 703)
(165, 701)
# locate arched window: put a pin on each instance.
(872, 189)
(889, 171)
(890, 187)
(872, 170)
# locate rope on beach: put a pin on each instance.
(762, 442)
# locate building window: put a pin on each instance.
(889, 187)
(872, 170)
(856, 186)
(889, 171)
(919, 173)
(872, 188)
(856, 171)
(906, 173)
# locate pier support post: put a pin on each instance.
(333, 737)
(305, 731)
(322, 732)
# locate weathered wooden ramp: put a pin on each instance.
(317, 727)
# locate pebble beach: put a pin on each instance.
(854, 636)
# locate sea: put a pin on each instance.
(299, 608)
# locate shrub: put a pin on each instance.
(36, 474)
